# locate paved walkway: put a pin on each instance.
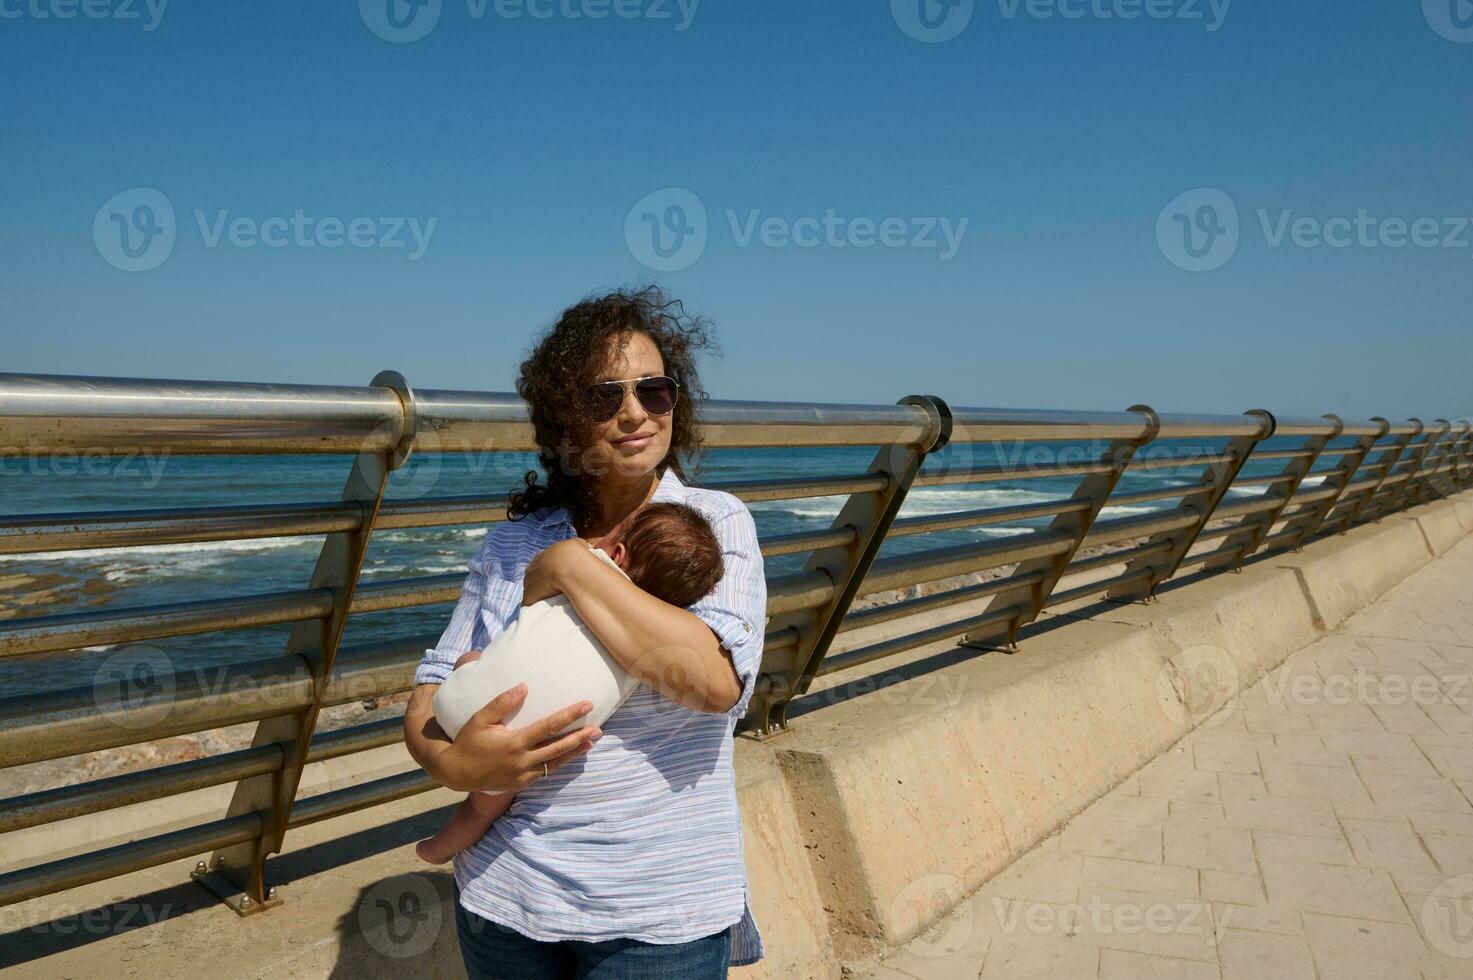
(1318, 827)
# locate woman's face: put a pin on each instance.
(633, 442)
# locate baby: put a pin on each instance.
(669, 551)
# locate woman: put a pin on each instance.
(625, 855)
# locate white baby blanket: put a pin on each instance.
(550, 649)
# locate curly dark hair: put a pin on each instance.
(568, 357)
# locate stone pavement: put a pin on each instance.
(1319, 826)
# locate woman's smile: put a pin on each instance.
(634, 442)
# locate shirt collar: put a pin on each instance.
(670, 488)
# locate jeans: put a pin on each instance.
(492, 951)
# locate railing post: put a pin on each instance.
(1096, 488)
(1462, 478)
(869, 515)
(1213, 485)
(1430, 454)
(1369, 508)
(236, 874)
(1461, 472)
(1255, 527)
(1351, 503)
(1304, 524)
(1456, 460)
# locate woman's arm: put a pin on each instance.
(673, 650)
(423, 736)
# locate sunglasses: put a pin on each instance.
(657, 395)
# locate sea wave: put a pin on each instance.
(416, 569)
(1127, 510)
(419, 535)
(133, 563)
(1004, 532)
(921, 502)
(927, 503)
(187, 548)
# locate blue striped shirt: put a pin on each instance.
(640, 837)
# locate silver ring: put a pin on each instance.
(544, 770)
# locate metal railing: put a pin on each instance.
(1321, 475)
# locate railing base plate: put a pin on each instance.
(988, 646)
(234, 898)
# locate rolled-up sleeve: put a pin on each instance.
(466, 630)
(736, 610)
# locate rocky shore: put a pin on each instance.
(34, 595)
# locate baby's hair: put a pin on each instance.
(673, 553)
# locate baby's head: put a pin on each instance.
(670, 551)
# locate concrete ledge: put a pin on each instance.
(1462, 505)
(1239, 625)
(1441, 525)
(785, 899)
(1348, 572)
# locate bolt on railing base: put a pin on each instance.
(232, 896)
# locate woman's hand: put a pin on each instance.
(545, 574)
(487, 755)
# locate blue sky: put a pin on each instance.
(1056, 150)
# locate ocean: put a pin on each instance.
(147, 575)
